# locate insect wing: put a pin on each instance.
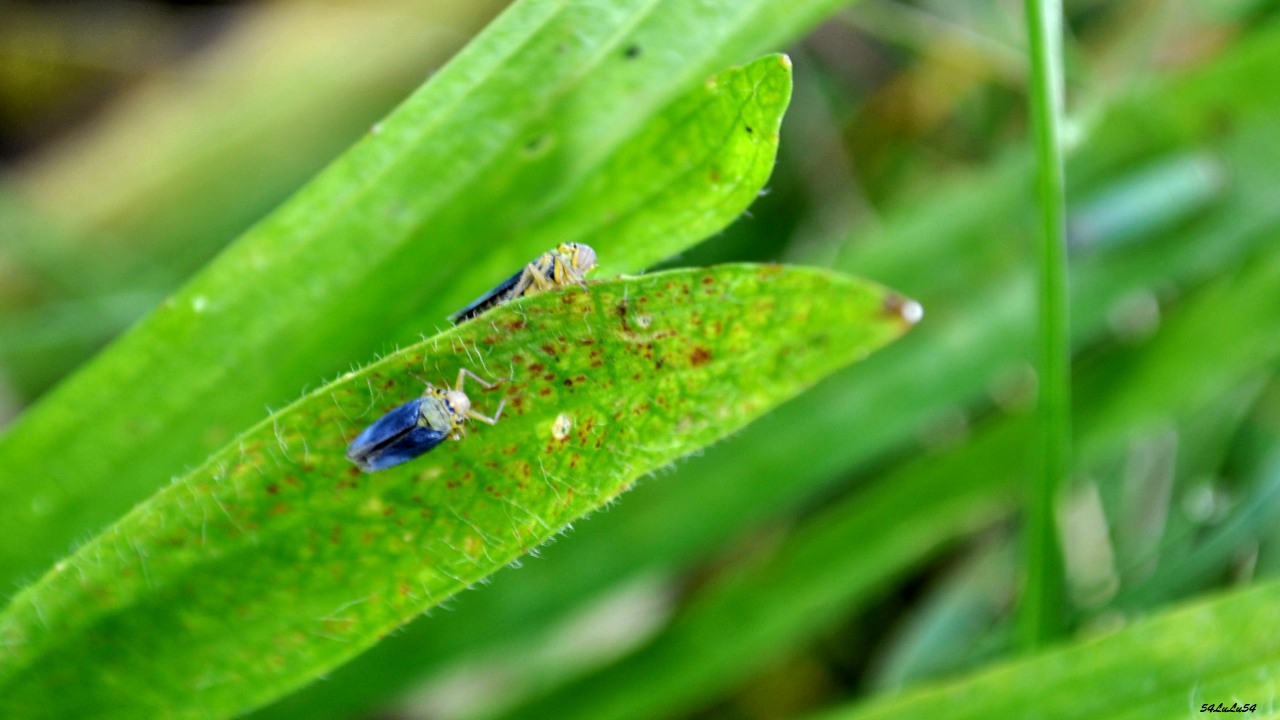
(393, 439)
(416, 442)
(486, 301)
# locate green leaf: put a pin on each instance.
(276, 560)
(306, 83)
(1167, 666)
(770, 608)
(744, 622)
(979, 295)
(420, 217)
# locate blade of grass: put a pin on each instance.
(278, 537)
(1167, 666)
(771, 608)
(376, 244)
(745, 622)
(190, 158)
(165, 175)
(978, 294)
(1042, 609)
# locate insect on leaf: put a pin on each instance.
(278, 559)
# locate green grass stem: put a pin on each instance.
(1041, 616)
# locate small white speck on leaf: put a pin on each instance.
(560, 428)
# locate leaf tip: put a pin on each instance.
(906, 309)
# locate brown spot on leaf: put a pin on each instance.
(621, 309)
(699, 357)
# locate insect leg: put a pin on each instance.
(489, 420)
(530, 276)
(464, 373)
(574, 276)
(543, 279)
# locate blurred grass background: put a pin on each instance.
(861, 539)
